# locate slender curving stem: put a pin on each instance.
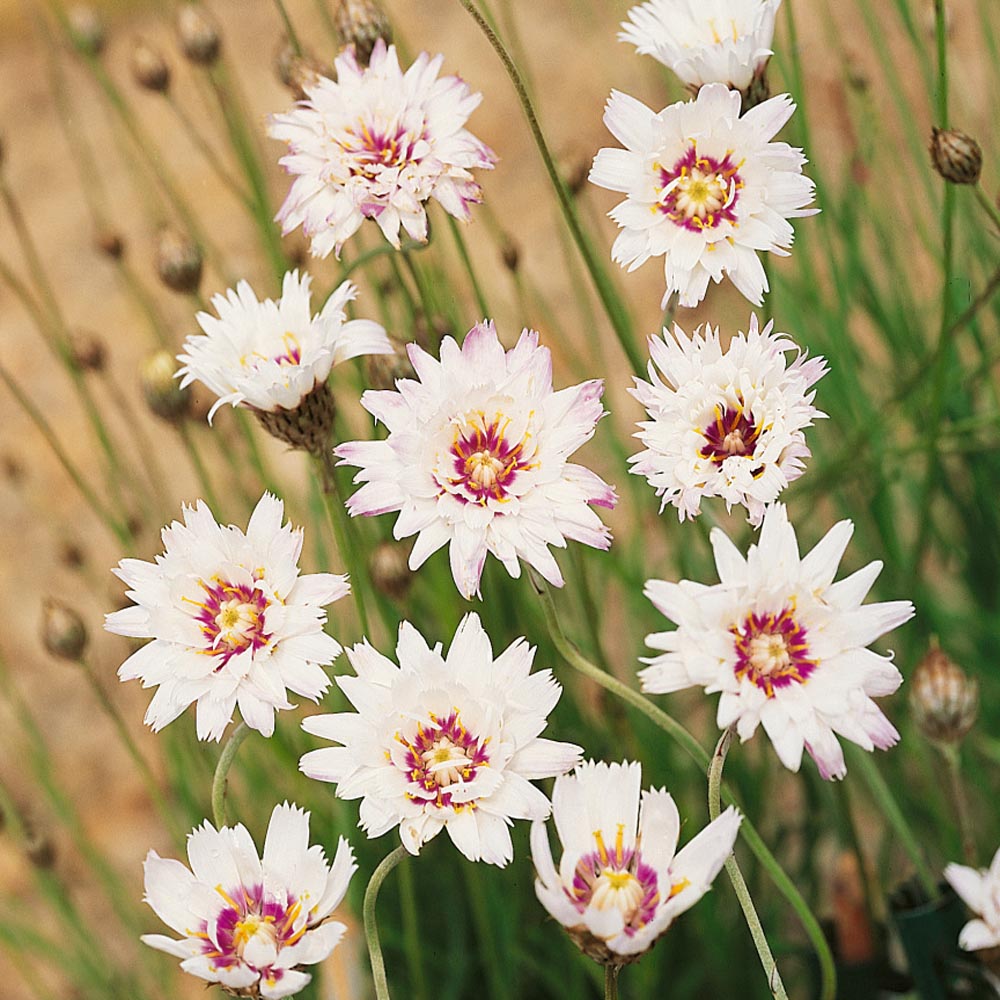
(220, 778)
(386, 865)
(611, 981)
(774, 983)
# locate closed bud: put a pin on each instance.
(87, 351)
(389, 567)
(577, 174)
(63, 632)
(86, 29)
(382, 370)
(110, 243)
(161, 390)
(362, 23)
(71, 554)
(944, 700)
(956, 156)
(38, 845)
(198, 34)
(149, 68)
(178, 260)
(297, 72)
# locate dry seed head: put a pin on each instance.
(178, 260)
(86, 29)
(944, 700)
(149, 68)
(305, 428)
(199, 34)
(956, 156)
(63, 632)
(161, 390)
(362, 23)
(390, 570)
(87, 351)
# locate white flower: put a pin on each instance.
(273, 354)
(980, 891)
(477, 457)
(618, 887)
(705, 41)
(247, 923)
(231, 620)
(725, 423)
(376, 144)
(783, 643)
(705, 189)
(443, 742)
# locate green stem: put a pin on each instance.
(199, 467)
(613, 305)
(220, 778)
(119, 530)
(411, 933)
(774, 982)
(887, 803)
(463, 252)
(687, 742)
(486, 935)
(337, 515)
(293, 39)
(371, 927)
(111, 710)
(611, 973)
(952, 756)
(988, 207)
(942, 359)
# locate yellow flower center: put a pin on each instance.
(700, 193)
(768, 654)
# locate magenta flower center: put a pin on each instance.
(730, 433)
(772, 651)
(440, 758)
(618, 879)
(232, 618)
(699, 192)
(372, 148)
(251, 930)
(484, 462)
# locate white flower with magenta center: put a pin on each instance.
(980, 891)
(705, 188)
(705, 41)
(232, 621)
(726, 423)
(783, 643)
(621, 882)
(273, 354)
(376, 144)
(443, 742)
(246, 922)
(476, 458)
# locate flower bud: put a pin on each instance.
(63, 632)
(110, 243)
(956, 156)
(87, 351)
(71, 554)
(944, 700)
(198, 34)
(362, 23)
(576, 174)
(510, 252)
(389, 567)
(162, 392)
(39, 847)
(86, 29)
(382, 370)
(149, 68)
(297, 72)
(178, 260)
